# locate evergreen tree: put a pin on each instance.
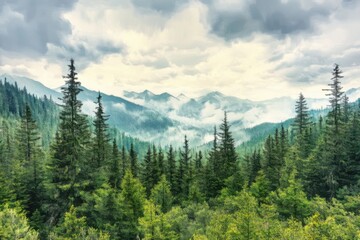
(161, 162)
(171, 170)
(213, 170)
(302, 120)
(132, 199)
(198, 161)
(124, 161)
(255, 166)
(334, 144)
(161, 195)
(351, 170)
(183, 176)
(302, 125)
(133, 161)
(69, 161)
(335, 98)
(345, 109)
(147, 175)
(100, 148)
(227, 151)
(115, 173)
(271, 164)
(32, 179)
(155, 167)
(101, 140)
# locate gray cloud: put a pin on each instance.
(83, 53)
(269, 16)
(28, 26)
(162, 6)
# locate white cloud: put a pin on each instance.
(120, 106)
(179, 53)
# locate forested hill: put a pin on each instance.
(303, 182)
(13, 102)
(45, 111)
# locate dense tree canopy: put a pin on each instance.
(300, 182)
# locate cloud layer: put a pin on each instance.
(254, 49)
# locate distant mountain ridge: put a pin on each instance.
(164, 118)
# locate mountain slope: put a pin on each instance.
(165, 119)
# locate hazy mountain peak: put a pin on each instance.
(147, 93)
(215, 93)
(32, 86)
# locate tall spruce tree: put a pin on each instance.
(100, 147)
(171, 170)
(155, 166)
(133, 161)
(161, 162)
(124, 161)
(30, 155)
(255, 166)
(345, 109)
(213, 180)
(132, 199)
(227, 151)
(302, 119)
(183, 176)
(147, 172)
(334, 133)
(302, 125)
(115, 173)
(69, 158)
(101, 140)
(335, 98)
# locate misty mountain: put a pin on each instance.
(32, 86)
(164, 118)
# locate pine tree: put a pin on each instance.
(183, 176)
(227, 151)
(271, 163)
(124, 161)
(302, 125)
(335, 146)
(161, 162)
(302, 119)
(171, 170)
(133, 161)
(351, 170)
(132, 199)
(255, 166)
(147, 174)
(100, 147)
(115, 174)
(213, 181)
(30, 154)
(345, 109)
(101, 140)
(28, 136)
(335, 98)
(69, 161)
(155, 167)
(161, 195)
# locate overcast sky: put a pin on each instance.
(255, 49)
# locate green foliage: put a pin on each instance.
(75, 227)
(291, 201)
(161, 195)
(14, 225)
(69, 159)
(301, 182)
(184, 172)
(132, 199)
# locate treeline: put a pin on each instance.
(303, 186)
